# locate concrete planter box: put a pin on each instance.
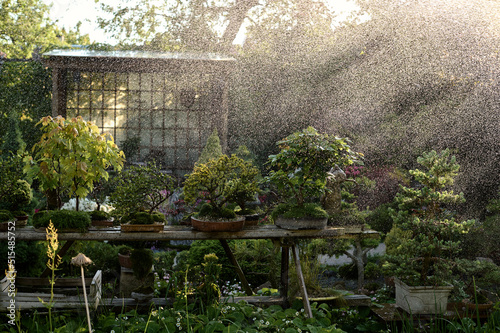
(422, 300)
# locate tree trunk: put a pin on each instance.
(236, 17)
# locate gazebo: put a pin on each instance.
(157, 106)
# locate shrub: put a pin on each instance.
(99, 215)
(141, 188)
(142, 260)
(62, 219)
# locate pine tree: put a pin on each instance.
(212, 149)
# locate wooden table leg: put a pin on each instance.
(237, 268)
(300, 278)
(285, 264)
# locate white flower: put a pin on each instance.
(112, 331)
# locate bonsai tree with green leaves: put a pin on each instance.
(70, 157)
(425, 258)
(220, 182)
(300, 169)
(141, 188)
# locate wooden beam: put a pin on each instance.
(302, 285)
(237, 268)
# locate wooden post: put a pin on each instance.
(244, 282)
(59, 91)
(300, 277)
(285, 264)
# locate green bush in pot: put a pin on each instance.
(220, 183)
(141, 188)
(299, 170)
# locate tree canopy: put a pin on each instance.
(25, 26)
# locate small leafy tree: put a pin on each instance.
(141, 188)
(426, 257)
(221, 181)
(300, 169)
(70, 156)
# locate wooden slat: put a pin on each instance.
(187, 233)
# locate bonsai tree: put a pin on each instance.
(141, 188)
(300, 169)
(425, 258)
(70, 157)
(220, 182)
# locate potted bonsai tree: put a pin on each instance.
(101, 218)
(299, 172)
(422, 262)
(139, 192)
(218, 183)
(70, 157)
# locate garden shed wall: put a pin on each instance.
(168, 103)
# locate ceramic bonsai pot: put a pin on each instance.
(301, 223)
(156, 227)
(422, 299)
(206, 225)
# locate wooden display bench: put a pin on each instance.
(285, 239)
(68, 293)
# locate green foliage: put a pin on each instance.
(139, 188)
(62, 219)
(9, 176)
(142, 261)
(258, 258)
(143, 218)
(25, 93)
(30, 257)
(12, 142)
(25, 28)
(293, 211)
(425, 257)
(212, 149)
(221, 181)
(130, 147)
(70, 156)
(5, 216)
(20, 195)
(300, 169)
(380, 219)
(99, 215)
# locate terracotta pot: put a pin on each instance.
(157, 227)
(124, 260)
(203, 225)
(471, 305)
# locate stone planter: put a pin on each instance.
(422, 299)
(301, 223)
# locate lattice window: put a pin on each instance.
(167, 113)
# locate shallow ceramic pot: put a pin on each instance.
(204, 225)
(157, 227)
(301, 223)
